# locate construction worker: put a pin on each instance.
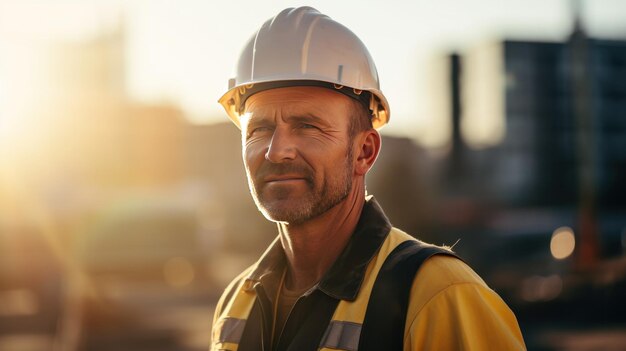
(338, 276)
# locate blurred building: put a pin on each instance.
(95, 131)
(538, 142)
(401, 181)
(527, 90)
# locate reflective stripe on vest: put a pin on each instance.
(341, 336)
(231, 324)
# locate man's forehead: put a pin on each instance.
(294, 96)
(314, 100)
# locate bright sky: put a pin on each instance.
(184, 51)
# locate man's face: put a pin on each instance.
(297, 152)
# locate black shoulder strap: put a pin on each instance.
(385, 317)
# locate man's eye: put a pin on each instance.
(262, 129)
(258, 130)
(307, 126)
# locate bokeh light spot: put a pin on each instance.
(562, 243)
(178, 272)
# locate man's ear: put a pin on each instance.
(368, 148)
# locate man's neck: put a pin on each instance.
(312, 247)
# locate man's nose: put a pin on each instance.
(281, 148)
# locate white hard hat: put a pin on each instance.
(302, 47)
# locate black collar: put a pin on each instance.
(344, 278)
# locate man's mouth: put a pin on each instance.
(284, 178)
(283, 174)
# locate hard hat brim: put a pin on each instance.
(234, 99)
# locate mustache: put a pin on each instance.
(278, 169)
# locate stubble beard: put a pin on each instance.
(317, 201)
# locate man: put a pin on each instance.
(338, 276)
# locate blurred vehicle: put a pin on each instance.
(31, 288)
(144, 280)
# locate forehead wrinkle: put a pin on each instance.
(286, 109)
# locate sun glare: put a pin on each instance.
(22, 86)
